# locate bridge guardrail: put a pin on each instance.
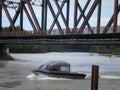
(56, 32)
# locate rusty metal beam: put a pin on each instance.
(75, 15)
(11, 1)
(57, 15)
(84, 9)
(0, 15)
(21, 15)
(48, 4)
(67, 12)
(53, 14)
(33, 14)
(110, 21)
(27, 14)
(94, 5)
(99, 17)
(44, 15)
(62, 15)
(29, 18)
(8, 16)
(115, 16)
(83, 15)
(15, 18)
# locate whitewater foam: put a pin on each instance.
(43, 77)
(88, 76)
(115, 77)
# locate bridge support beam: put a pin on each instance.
(0, 15)
(33, 14)
(21, 15)
(99, 17)
(44, 15)
(4, 54)
(115, 16)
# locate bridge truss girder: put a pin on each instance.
(26, 6)
(19, 7)
(96, 4)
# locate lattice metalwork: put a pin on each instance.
(67, 18)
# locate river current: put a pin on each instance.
(17, 75)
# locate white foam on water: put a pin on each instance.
(115, 77)
(43, 77)
(88, 76)
(31, 77)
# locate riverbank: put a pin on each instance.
(6, 57)
(36, 48)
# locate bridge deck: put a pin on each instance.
(100, 39)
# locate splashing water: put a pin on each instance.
(43, 77)
(114, 77)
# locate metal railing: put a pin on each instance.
(56, 32)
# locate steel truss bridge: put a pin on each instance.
(58, 22)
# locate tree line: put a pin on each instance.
(38, 48)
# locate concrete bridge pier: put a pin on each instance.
(4, 53)
(2, 49)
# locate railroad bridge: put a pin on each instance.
(59, 22)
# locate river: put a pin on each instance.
(17, 75)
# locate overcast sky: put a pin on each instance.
(107, 12)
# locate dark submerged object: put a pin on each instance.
(59, 69)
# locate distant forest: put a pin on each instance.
(38, 48)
